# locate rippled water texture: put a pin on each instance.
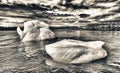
(30, 57)
(17, 56)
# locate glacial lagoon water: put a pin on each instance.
(30, 57)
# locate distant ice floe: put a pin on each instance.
(32, 32)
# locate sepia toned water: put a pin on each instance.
(30, 57)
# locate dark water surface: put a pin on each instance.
(30, 57)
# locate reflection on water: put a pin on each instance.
(31, 56)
